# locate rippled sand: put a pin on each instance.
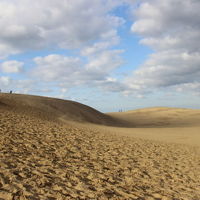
(47, 159)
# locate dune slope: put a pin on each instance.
(43, 158)
(160, 117)
(53, 109)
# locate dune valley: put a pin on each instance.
(56, 149)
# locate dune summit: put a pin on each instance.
(46, 157)
(54, 109)
(58, 109)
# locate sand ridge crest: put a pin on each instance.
(52, 109)
(160, 117)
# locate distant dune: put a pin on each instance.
(53, 149)
(56, 109)
(160, 117)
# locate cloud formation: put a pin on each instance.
(5, 81)
(73, 71)
(11, 66)
(172, 29)
(32, 25)
(88, 26)
(88, 30)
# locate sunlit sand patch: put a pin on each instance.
(45, 158)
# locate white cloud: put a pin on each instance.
(11, 66)
(21, 86)
(67, 72)
(90, 26)
(39, 24)
(5, 81)
(6, 49)
(105, 62)
(164, 17)
(108, 40)
(24, 86)
(56, 67)
(193, 87)
(167, 69)
(172, 29)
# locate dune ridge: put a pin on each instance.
(160, 117)
(44, 158)
(53, 109)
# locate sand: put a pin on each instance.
(162, 117)
(43, 157)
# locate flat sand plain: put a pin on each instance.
(43, 157)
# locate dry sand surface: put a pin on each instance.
(43, 157)
(162, 117)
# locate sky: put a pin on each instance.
(108, 54)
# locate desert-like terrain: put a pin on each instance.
(54, 149)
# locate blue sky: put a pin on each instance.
(108, 54)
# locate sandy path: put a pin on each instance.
(46, 160)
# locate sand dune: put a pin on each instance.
(45, 158)
(160, 117)
(54, 109)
